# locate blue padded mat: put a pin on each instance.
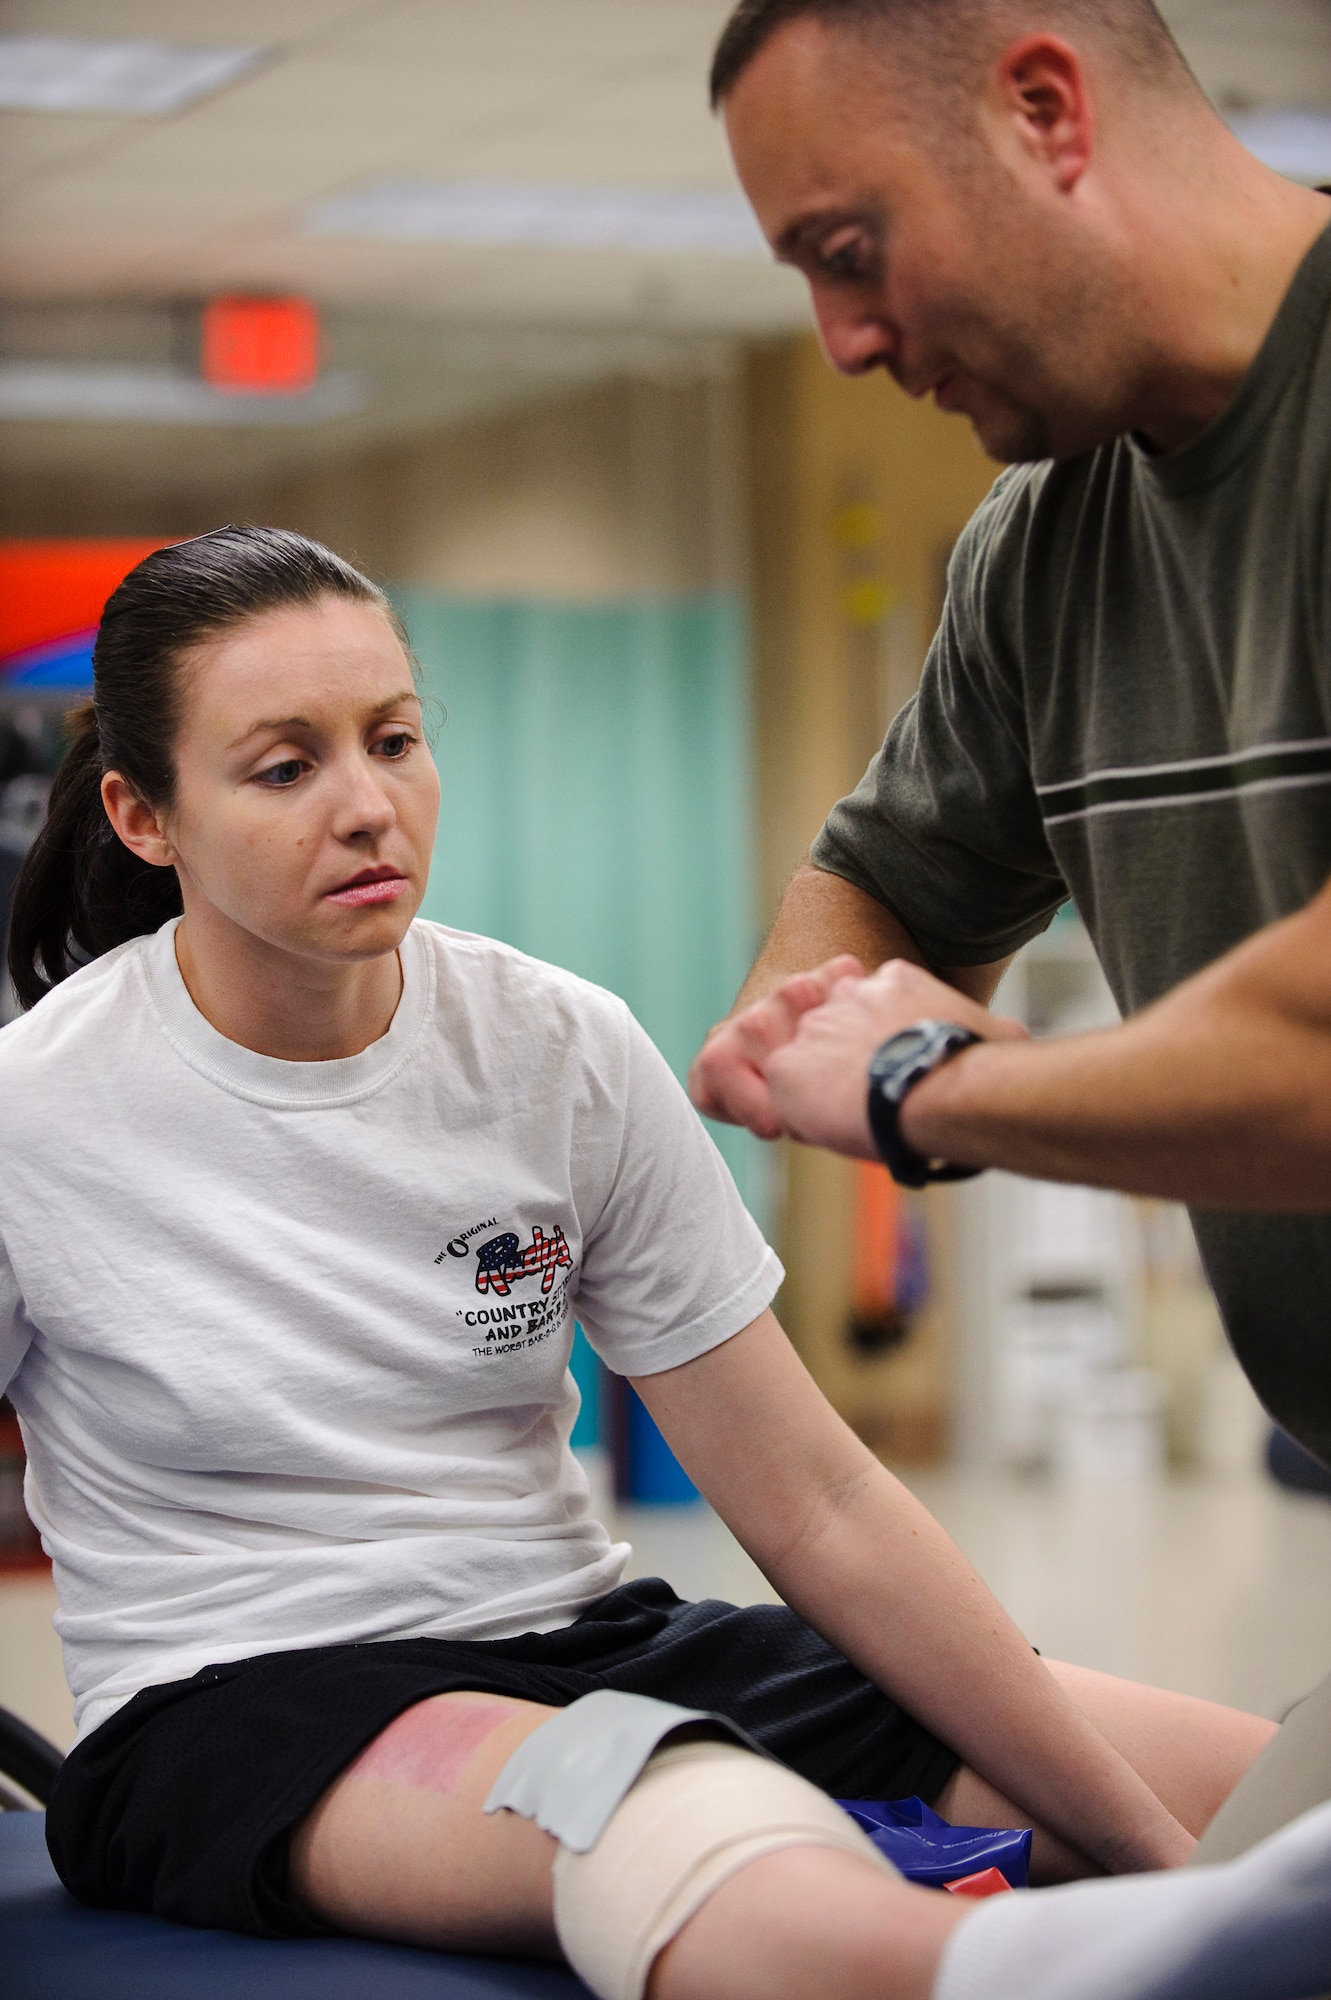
(51, 1948)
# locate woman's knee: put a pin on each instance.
(1191, 1752)
(970, 1800)
(809, 1923)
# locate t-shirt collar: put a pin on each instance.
(1290, 340)
(266, 1079)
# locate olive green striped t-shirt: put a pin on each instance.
(1129, 703)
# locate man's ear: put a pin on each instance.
(1039, 99)
(137, 824)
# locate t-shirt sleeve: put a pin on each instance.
(674, 1264)
(945, 828)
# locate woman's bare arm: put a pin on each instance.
(853, 1552)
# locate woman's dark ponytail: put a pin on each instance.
(80, 891)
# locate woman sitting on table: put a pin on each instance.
(298, 1199)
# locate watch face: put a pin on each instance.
(895, 1066)
(900, 1051)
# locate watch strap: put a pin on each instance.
(901, 1062)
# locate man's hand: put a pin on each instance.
(1218, 1094)
(810, 1058)
(824, 922)
(728, 1079)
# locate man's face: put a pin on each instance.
(949, 264)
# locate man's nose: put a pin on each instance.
(853, 340)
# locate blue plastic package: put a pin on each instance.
(927, 1850)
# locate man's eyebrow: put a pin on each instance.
(799, 234)
(793, 237)
(280, 723)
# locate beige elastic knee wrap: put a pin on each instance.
(698, 1812)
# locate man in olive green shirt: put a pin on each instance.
(1043, 223)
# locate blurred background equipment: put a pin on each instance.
(19, 1546)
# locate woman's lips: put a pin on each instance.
(386, 889)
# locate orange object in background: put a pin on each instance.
(890, 1277)
(989, 1882)
(876, 1320)
(878, 1202)
(261, 346)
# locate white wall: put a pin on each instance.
(627, 489)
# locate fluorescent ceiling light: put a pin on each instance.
(1294, 142)
(101, 393)
(543, 216)
(72, 73)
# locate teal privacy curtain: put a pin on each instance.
(596, 766)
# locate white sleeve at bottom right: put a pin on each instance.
(1258, 1928)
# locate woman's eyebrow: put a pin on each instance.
(281, 722)
(274, 722)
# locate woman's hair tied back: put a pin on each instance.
(80, 891)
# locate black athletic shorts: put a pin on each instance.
(183, 1802)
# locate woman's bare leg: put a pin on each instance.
(807, 1922)
(399, 1848)
(1191, 1753)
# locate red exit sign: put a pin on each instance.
(261, 346)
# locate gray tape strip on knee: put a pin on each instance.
(571, 1773)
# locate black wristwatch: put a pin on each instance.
(904, 1060)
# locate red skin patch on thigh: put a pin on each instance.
(429, 1746)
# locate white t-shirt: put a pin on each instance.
(289, 1341)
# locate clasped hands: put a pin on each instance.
(795, 1064)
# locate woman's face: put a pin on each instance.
(306, 796)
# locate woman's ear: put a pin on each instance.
(137, 824)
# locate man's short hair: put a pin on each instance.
(949, 41)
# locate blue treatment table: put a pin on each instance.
(51, 1948)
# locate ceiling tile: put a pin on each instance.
(313, 139)
(31, 141)
(335, 91)
(178, 20)
(603, 149)
(569, 90)
(678, 93)
(1278, 52)
(576, 37)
